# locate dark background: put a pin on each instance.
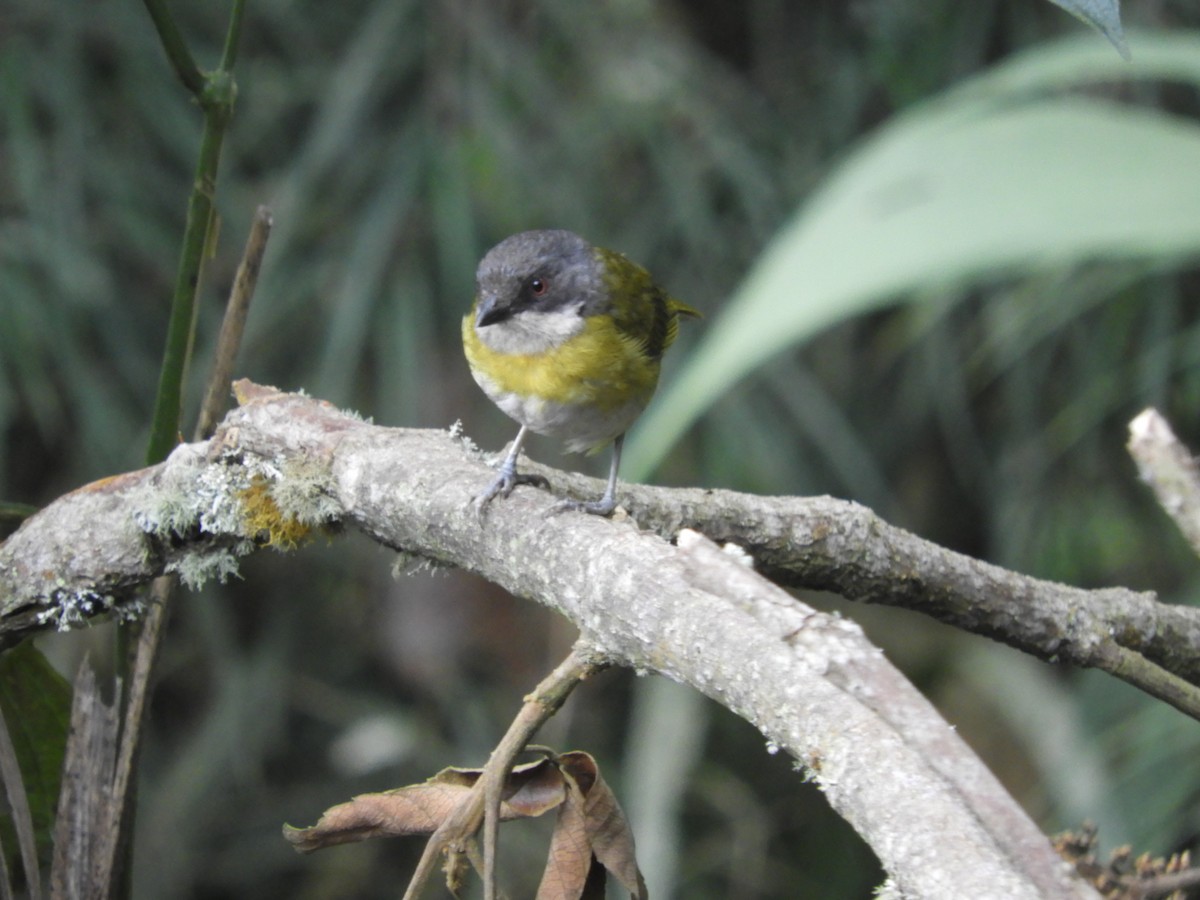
(395, 142)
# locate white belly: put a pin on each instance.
(580, 427)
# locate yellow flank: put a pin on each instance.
(601, 367)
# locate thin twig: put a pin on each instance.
(482, 805)
(137, 644)
(233, 36)
(145, 655)
(180, 56)
(1134, 668)
(233, 326)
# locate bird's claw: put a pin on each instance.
(503, 485)
(602, 507)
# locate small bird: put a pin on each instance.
(567, 339)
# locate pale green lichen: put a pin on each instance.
(193, 495)
(240, 502)
(304, 492)
(197, 568)
(459, 435)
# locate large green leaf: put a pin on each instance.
(999, 177)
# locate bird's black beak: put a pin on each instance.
(489, 310)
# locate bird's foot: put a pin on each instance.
(507, 479)
(602, 507)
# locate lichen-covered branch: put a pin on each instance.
(282, 465)
(269, 476)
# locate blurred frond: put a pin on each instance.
(396, 140)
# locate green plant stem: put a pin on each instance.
(177, 49)
(233, 36)
(169, 402)
(137, 646)
(216, 93)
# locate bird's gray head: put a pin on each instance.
(539, 271)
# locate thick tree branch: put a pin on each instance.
(827, 544)
(813, 542)
(816, 688)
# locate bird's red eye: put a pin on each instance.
(537, 286)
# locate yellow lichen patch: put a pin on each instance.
(263, 520)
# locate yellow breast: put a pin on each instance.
(587, 390)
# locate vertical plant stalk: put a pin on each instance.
(137, 645)
(233, 326)
(215, 92)
(141, 661)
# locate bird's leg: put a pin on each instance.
(508, 477)
(608, 501)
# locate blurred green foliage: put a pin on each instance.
(395, 141)
(35, 701)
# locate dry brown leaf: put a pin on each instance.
(591, 836)
(416, 809)
(531, 790)
(570, 858)
(591, 831)
(608, 829)
(594, 889)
